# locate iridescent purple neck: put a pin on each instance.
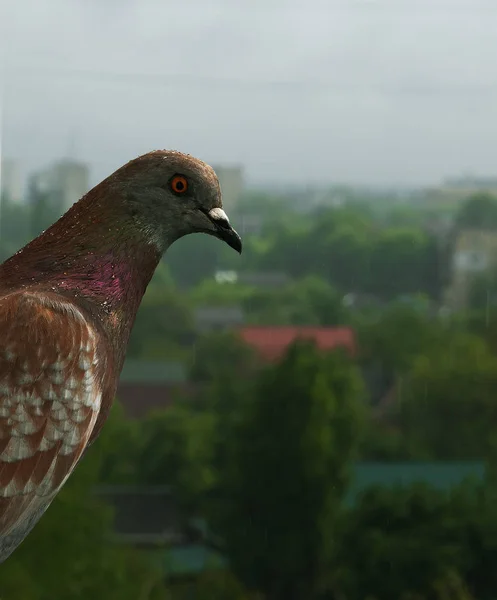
(94, 255)
(106, 277)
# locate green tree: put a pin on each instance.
(483, 294)
(418, 542)
(404, 261)
(288, 463)
(14, 227)
(331, 243)
(309, 301)
(481, 322)
(398, 337)
(217, 585)
(478, 212)
(448, 408)
(392, 545)
(164, 323)
(177, 450)
(342, 240)
(119, 446)
(70, 554)
(217, 356)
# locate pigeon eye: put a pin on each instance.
(179, 184)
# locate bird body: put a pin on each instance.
(68, 301)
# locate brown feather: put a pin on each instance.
(52, 374)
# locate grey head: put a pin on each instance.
(170, 194)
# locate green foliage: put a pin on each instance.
(478, 212)
(309, 301)
(177, 449)
(453, 389)
(164, 324)
(421, 542)
(217, 356)
(213, 586)
(404, 261)
(118, 447)
(14, 228)
(211, 293)
(45, 210)
(301, 422)
(69, 554)
(351, 251)
(483, 293)
(482, 323)
(399, 336)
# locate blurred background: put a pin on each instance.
(316, 419)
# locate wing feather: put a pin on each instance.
(51, 365)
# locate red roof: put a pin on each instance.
(272, 342)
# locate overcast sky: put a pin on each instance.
(359, 91)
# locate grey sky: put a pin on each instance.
(385, 91)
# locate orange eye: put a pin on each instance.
(179, 184)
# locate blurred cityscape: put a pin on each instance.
(314, 419)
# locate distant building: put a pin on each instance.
(454, 191)
(441, 476)
(226, 277)
(474, 252)
(11, 181)
(231, 182)
(218, 318)
(249, 224)
(332, 198)
(150, 518)
(150, 385)
(272, 342)
(471, 183)
(261, 279)
(62, 184)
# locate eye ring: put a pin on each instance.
(179, 184)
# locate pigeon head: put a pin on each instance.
(169, 195)
(105, 248)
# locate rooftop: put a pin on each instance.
(153, 372)
(272, 342)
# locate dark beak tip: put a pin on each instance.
(231, 237)
(236, 243)
(238, 246)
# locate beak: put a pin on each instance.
(223, 229)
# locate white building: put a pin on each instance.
(231, 182)
(10, 181)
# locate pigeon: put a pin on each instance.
(68, 301)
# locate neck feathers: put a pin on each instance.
(93, 253)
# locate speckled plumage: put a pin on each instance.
(68, 301)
